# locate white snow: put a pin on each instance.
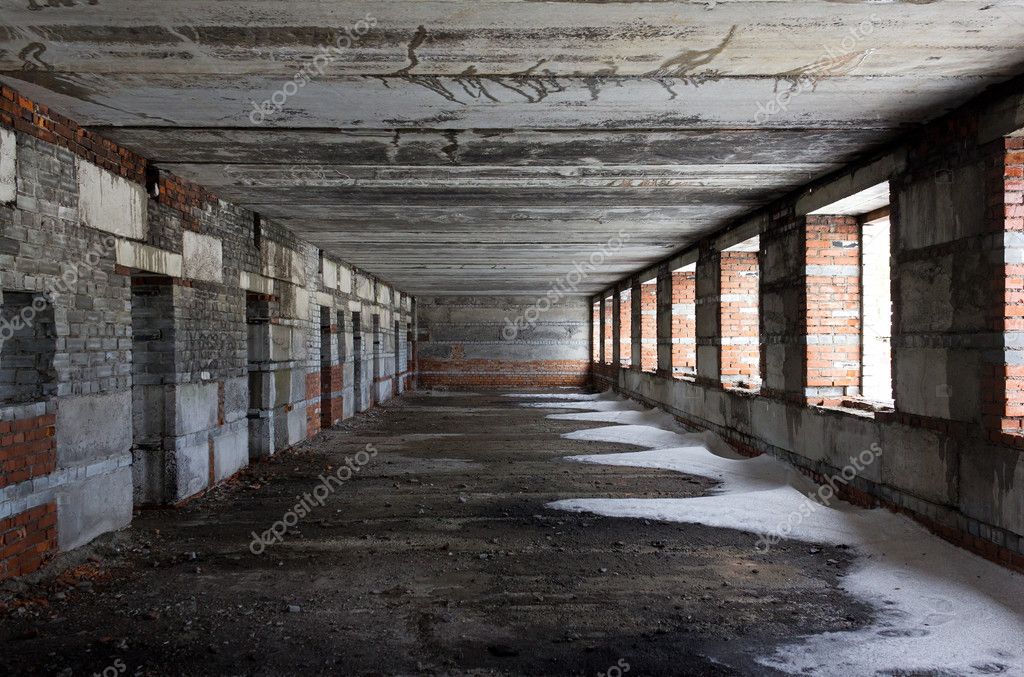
(940, 609)
(561, 396)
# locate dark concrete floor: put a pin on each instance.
(438, 557)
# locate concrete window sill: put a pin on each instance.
(858, 407)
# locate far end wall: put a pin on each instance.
(502, 341)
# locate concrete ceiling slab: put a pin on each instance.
(491, 146)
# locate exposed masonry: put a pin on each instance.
(173, 338)
(952, 441)
(683, 339)
(462, 342)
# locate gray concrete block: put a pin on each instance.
(230, 452)
(196, 407)
(93, 506)
(191, 468)
(236, 398)
(93, 427)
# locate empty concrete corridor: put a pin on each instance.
(439, 556)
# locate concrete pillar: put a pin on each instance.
(663, 322)
(636, 325)
(706, 301)
(950, 287)
(783, 294)
(603, 353)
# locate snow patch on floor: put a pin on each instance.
(580, 397)
(941, 610)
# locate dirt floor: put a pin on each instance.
(437, 557)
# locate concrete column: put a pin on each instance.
(949, 289)
(707, 317)
(602, 352)
(783, 307)
(663, 321)
(636, 313)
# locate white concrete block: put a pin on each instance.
(344, 279)
(110, 203)
(294, 302)
(203, 257)
(230, 453)
(87, 509)
(8, 166)
(195, 408)
(193, 469)
(282, 263)
(330, 274)
(151, 259)
(255, 282)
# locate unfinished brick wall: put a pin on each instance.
(684, 326)
(502, 342)
(27, 449)
(94, 359)
(608, 330)
(28, 340)
(27, 540)
(1008, 207)
(952, 446)
(332, 375)
(832, 310)
(626, 328)
(649, 326)
(738, 319)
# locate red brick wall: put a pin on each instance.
(42, 123)
(595, 333)
(461, 372)
(649, 326)
(608, 330)
(313, 410)
(27, 540)
(27, 449)
(37, 120)
(625, 328)
(832, 310)
(332, 381)
(1006, 399)
(739, 318)
(684, 325)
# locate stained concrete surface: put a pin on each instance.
(438, 557)
(486, 147)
